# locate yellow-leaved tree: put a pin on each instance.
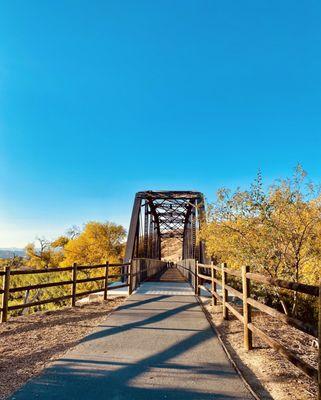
(97, 243)
(43, 255)
(276, 230)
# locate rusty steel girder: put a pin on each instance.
(158, 215)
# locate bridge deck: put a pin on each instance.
(169, 275)
(158, 345)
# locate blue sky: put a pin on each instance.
(100, 99)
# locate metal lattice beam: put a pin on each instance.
(158, 215)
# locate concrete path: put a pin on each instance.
(158, 345)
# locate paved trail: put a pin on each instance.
(158, 345)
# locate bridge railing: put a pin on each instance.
(143, 269)
(218, 276)
(187, 268)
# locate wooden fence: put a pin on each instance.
(219, 275)
(136, 272)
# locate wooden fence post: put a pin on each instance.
(134, 272)
(141, 268)
(213, 276)
(5, 294)
(224, 292)
(130, 278)
(106, 280)
(196, 279)
(137, 269)
(319, 339)
(74, 284)
(199, 281)
(247, 309)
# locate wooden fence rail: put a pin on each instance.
(248, 303)
(134, 277)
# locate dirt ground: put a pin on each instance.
(270, 374)
(29, 343)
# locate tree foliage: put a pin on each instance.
(42, 255)
(276, 230)
(96, 244)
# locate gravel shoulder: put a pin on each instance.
(29, 343)
(268, 373)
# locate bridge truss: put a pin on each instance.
(158, 216)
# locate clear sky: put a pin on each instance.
(100, 99)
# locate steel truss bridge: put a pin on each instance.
(160, 215)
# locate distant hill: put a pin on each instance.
(10, 252)
(171, 249)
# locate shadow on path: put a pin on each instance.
(177, 358)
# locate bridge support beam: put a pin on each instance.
(158, 216)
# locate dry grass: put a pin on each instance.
(278, 378)
(29, 343)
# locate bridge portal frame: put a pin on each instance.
(157, 215)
